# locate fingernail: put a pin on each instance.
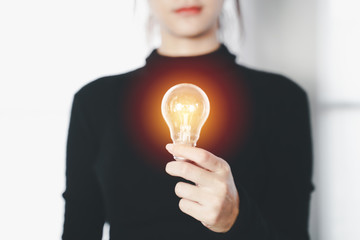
(166, 168)
(169, 146)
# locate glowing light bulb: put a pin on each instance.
(185, 108)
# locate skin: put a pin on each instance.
(214, 199)
(186, 35)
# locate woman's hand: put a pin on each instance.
(214, 201)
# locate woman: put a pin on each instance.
(251, 177)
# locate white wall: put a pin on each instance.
(339, 119)
(49, 49)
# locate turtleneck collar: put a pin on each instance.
(218, 58)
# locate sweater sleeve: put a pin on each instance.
(283, 212)
(84, 215)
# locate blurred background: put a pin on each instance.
(49, 49)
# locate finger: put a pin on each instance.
(202, 157)
(190, 172)
(191, 208)
(192, 162)
(190, 192)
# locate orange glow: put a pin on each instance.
(224, 131)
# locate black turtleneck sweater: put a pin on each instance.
(115, 160)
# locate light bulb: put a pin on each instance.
(185, 108)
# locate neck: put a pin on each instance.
(176, 46)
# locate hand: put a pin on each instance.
(214, 201)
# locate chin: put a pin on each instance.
(190, 32)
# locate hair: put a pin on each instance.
(238, 16)
(226, 31)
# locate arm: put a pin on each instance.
(84, 214)
(284, 212)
